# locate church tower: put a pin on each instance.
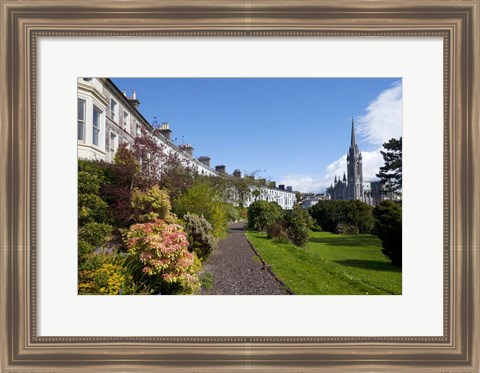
(354, 169)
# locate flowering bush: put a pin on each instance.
(160, 251)
(152, 204)
(101, 276)
(199, 233)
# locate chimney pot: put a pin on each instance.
(220, 169)
(166, 132)
(205, 160)
(187, 148)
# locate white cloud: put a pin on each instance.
(382, 121)
(383, 118)
(372, 161)
(304, 183)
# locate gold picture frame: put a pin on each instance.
(24, 22)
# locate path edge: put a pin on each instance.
(265, 265)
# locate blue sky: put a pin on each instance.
(291, 130)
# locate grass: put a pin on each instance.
(206, 280)
(331, 264)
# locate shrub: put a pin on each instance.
(203, 199)
(92, 177)
(329, 214)
(91, 208)
(151, 205)
(343, 228)
(106, 279)
(261, 214)
(199, 234)
(84, 249)
(159, 257)
(388, 226)
(298, 222)
(95, 233)
(282, 238)
(275, 229)
(232, 212)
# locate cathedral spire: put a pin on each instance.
(353, 140)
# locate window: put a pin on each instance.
(113, 143)
(138, 129)
(97, 114)
(81, 120)
(113, 110)
(126, 121)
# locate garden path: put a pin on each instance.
(237, 270)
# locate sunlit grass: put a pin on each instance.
(331, 264)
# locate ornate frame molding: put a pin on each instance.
(23, 22)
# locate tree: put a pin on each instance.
(391, 172)
(262, 213)
(159, 166)
(388, 226)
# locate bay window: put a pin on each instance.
(97, 115)
(81, 120)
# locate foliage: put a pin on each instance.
(106, 278)
(282, 238)
(232, 212)
(343, 228)
(275, 229)
(261, 214)
(206, 280)
(199, 234)
(158, 166)
(125, 177)
(331, 264)
(91, 208)
(298, 223)
(234, 189)
(388, 226)
(159, 257)
(203, 199)
(95, 233)
(91, 178)
(329, 215)
(391, 172)
(151, 205)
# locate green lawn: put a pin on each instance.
(331, 264)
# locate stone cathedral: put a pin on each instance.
(351, 186)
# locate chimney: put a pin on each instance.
(281, 187)
(272, 184)
(237, 173)
(289, 188)
(187, 148)
(220, 169)
(165, 131)
(205, 160)
(133, 100)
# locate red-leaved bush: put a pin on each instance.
(162, 251)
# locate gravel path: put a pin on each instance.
(237, 270)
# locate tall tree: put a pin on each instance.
(391, 172)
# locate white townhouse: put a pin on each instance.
(107, 117)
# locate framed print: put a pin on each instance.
(402, 71)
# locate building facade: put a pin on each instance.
(107, 118)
